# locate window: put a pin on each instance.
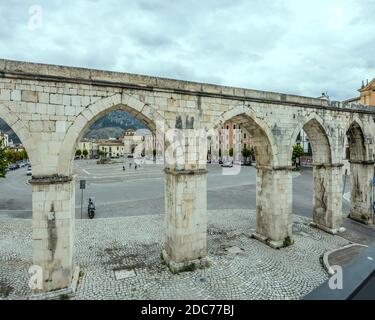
(244, 135)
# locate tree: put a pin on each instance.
(231, 152)
(297, 152)
(85, 153)
(246, 153)
(252, 154)
(78, 153)
(4, 161)
(101, 153)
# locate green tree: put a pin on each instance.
(246, 153)
(231, 152)
(101, 153)
(85, 153)
(297, 152)
(4, 162)
(78, 153)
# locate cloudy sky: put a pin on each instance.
(292, 46)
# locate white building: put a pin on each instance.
(4, 140)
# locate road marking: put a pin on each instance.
(123, 180)
(85, 171)
(123, 201)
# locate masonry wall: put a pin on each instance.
(49, 108)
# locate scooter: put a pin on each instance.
(91, 209)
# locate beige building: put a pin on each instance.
(140, 142)
(91, 146)
(111, 148)
(132, 142)
(4, 140)
(368, 93)
(230, 136)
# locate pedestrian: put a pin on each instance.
(135, 166)
(130, 164)
(123, 168)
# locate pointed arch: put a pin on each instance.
(320, 140)
(356, 141)
(261, 134)
(20, 129)
(125, 102)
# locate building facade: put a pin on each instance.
(231, 136)
(91, 146)
(367, 92)
(139, 142)
(4, 140)
(111, 148)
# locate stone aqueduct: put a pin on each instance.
(49, 107)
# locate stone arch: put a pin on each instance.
(264, 144)
(21, 130)
(128, 103)
(327, 176)
(321, 143)
(356, 141)
(361, 173)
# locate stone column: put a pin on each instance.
(274, 206)
(53, 229)
(361, 175)
(327, 203)
(186, 218)
(186, 200)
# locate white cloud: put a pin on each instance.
(291, 46)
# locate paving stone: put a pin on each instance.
(133, 245)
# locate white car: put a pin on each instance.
(227, 164)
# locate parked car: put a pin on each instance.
(13, 166)
(227, 164)
(246, 163)
(29, 172)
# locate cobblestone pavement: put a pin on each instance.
(241, 267)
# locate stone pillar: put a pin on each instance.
(327, 203)
(274, 206)
(186, 218)
(53, 229)
(186, 197)
(361, 175)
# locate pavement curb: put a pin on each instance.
(326, 255)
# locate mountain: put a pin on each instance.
(112, 125)
(6, 129)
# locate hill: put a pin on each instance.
(112, 125)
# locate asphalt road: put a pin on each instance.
(138, 192)
(141, 192)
